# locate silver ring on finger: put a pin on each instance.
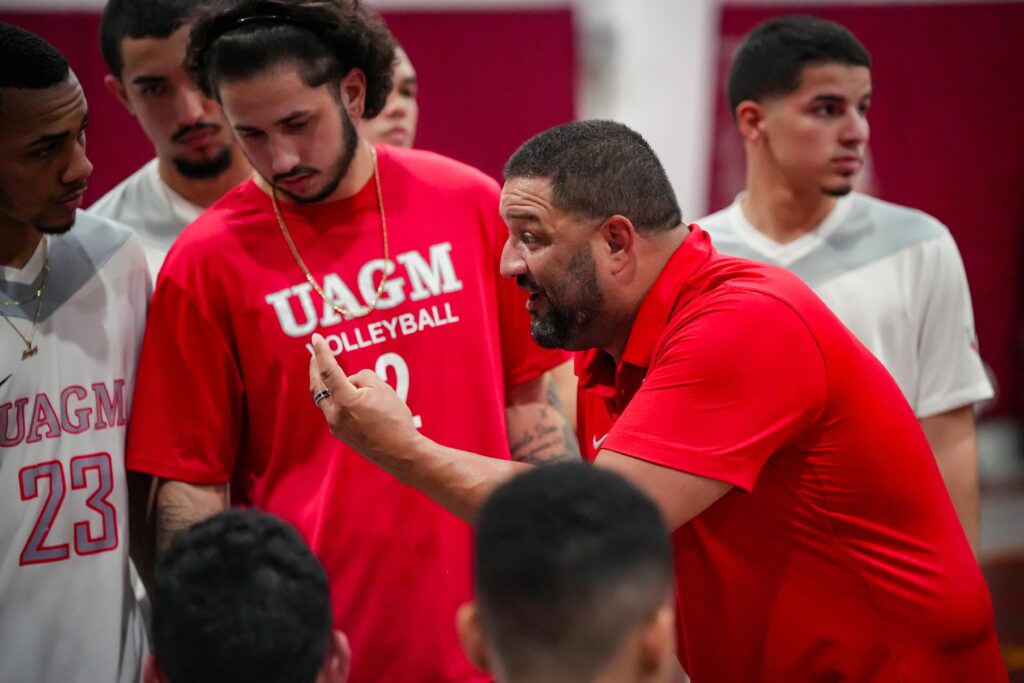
(320, 395)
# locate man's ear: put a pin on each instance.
(353, 93)
(750, 119)
(658, 643)
(151, 672)
(339, 659)
(618, 242)
(471, 637)
(116, 88)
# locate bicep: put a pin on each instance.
(680, 496)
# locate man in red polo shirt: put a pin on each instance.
(814, 539)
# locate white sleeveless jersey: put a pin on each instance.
(145, 203)
(67, 612)
(894, 276)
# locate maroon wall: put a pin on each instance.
(489, 80)
(946, 137)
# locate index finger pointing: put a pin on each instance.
(328, 372)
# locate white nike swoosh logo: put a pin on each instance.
(597, 442)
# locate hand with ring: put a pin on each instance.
(362, 410)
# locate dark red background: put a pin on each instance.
(947, 136)
(489, 80)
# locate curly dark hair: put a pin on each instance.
(326, 39)
(240, 597)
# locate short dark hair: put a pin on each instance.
(140, 19)
(240, 597)
(326, 39)
(772, 57)
(599, 169)
(569, 559)
(29, 61)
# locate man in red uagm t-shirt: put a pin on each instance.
(814, 538)
(393, 255)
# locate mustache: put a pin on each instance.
(295, 171)
(75, 190)
(528, 283)
(185, 130)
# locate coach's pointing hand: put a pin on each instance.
(362, 410)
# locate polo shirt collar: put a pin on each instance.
(597, 371)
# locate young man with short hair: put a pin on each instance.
(396, 122)
(143, 43)
(73, 293)
(813, 537)
(800, 90)
(240, 597)
(574, 582)
(393, 255)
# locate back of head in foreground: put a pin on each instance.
(573, 581)
(240, 597)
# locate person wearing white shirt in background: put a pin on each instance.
(396, 122)
(800, 89)
(143, 43)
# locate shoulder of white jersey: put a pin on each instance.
(88, 247)
(119, 203)
(717, 222)
(916, 225)
(724, 236)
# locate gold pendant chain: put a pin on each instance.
(30, 349)
(302, 264)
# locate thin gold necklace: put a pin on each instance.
(302, 264)
(30, 348)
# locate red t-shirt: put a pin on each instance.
(837, 556)
(222, 391)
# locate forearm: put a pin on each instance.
(539, 429)
(457, 480)
(953, 440)
(180, 505)
(538, 433)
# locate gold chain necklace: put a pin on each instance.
(302, 264)
(30, 348)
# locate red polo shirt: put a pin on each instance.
(837, 556)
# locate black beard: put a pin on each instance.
(348, 153)
(204, 170)
(562, 326)
(837, 191)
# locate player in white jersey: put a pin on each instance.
(73, 304)
(143, 43)
(800, 89)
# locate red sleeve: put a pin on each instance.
(728, 386)
(187, 410)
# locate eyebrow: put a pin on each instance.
(148, 80)
(521, 216)
(44, 140)
(291, 117)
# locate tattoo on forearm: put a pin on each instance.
(545, 442)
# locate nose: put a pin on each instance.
(79, 167)
(189, 104)
(512, 262)
(857, 130)
(395, 108)
(283, 155)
